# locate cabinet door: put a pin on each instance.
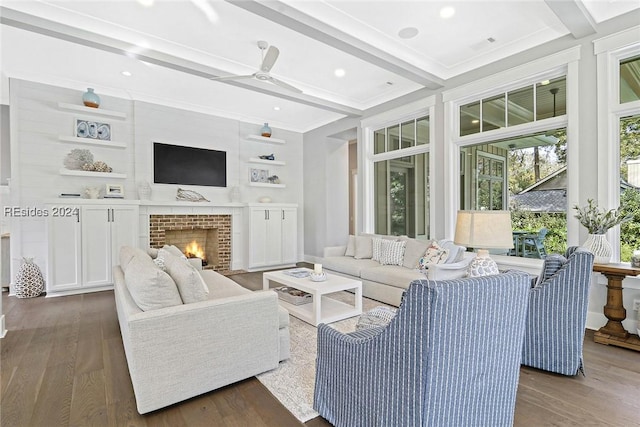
(289, 218)
(124, 230)
(273, 240)
(96, 245)
(257, 238)
(64, 260)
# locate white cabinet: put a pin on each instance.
(84, 246)
(273, 235)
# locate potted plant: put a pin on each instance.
(597, 222)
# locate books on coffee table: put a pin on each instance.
(298, 272)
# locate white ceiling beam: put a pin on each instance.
(60, 31)
(573, 15)
(291, 18)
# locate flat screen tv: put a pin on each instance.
(177, 164)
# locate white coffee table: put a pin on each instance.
(323, 309)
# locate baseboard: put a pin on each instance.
(3, 331)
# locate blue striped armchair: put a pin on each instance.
(451, 356)
(557, 315)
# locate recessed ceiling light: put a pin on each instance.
(475, 121)
(447, 12)
(545, 82)
(146, 3)
(408, 32)
(339, 72)
(276, 108)
(126, 73)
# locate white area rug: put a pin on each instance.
(293, 381)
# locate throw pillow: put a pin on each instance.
(435, 254)
(127, 253)
(413, 251)
(392, 253)
(364, 247)
(159, 260)
(190, 284)
(552, 263)
(173, 250)
(456, 252)
(152, 252)
(351, 246)
(376, 248)
(150, 287)
(376, 317)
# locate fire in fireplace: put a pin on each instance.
(194, 250)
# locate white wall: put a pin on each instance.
(37, 155)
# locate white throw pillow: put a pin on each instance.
(173, 250)
(364, 247)
(392, 253)
(127, 253)
(190, 284)
(351, 246)
(456, 252)
(376, 248)
(150, 287)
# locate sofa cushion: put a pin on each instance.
(348, 265)
(392, 252)
(221, 286)
(127, 253)
(413, 251)
(283, 317)
(392, 275)
(150, 287)
(190, 284)
(351, 246)
(364, 247)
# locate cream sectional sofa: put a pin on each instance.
(182, 350)
(387, 283)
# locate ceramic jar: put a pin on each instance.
(266, 130)
(600, 247)
(90, 99)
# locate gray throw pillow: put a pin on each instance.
(127, 253)
(364, 247)
(413, 251)
(190, 284)
(173, 250)
(150, 287)
(351, 246)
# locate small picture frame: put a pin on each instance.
(258, 175)
(93, 130)
(114, 191)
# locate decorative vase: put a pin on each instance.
(29, 281)
(90, 99)
(600, 247)
(266, 130)
(144, 190)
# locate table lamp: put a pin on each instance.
(483, 230)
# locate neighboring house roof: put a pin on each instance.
(541, 200)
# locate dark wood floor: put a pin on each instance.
(62, 364)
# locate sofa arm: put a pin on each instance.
(175, 353)
(334, 251)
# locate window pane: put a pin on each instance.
(501, 175)
(630, 80)
(378, 141)
(408, 134)
(422, 128)
(630, 185)
(520, 106)
(470, 119)
(551, 98)
(493, 113)
(401, 196)
(393, 137)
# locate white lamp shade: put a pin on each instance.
(484, 229)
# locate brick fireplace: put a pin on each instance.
(212, 233)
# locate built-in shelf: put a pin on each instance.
(265, 139)
(90, 141)
(114, 175)
(92, 111)
(266, 184)
(267, 162)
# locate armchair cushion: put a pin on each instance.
(552, 263)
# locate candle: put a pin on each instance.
(317, 268)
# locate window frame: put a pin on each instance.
(367, 158)
(610, 51)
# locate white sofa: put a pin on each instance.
(181, 351)
(387, 283)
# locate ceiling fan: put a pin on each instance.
(268, 59)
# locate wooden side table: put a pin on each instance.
(613, 333)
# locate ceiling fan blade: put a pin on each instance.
(269, 59)
(284, 85)
(223, 78)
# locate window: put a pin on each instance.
(527, 104)
(401, 178)
(630, 184)
(630, 79)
